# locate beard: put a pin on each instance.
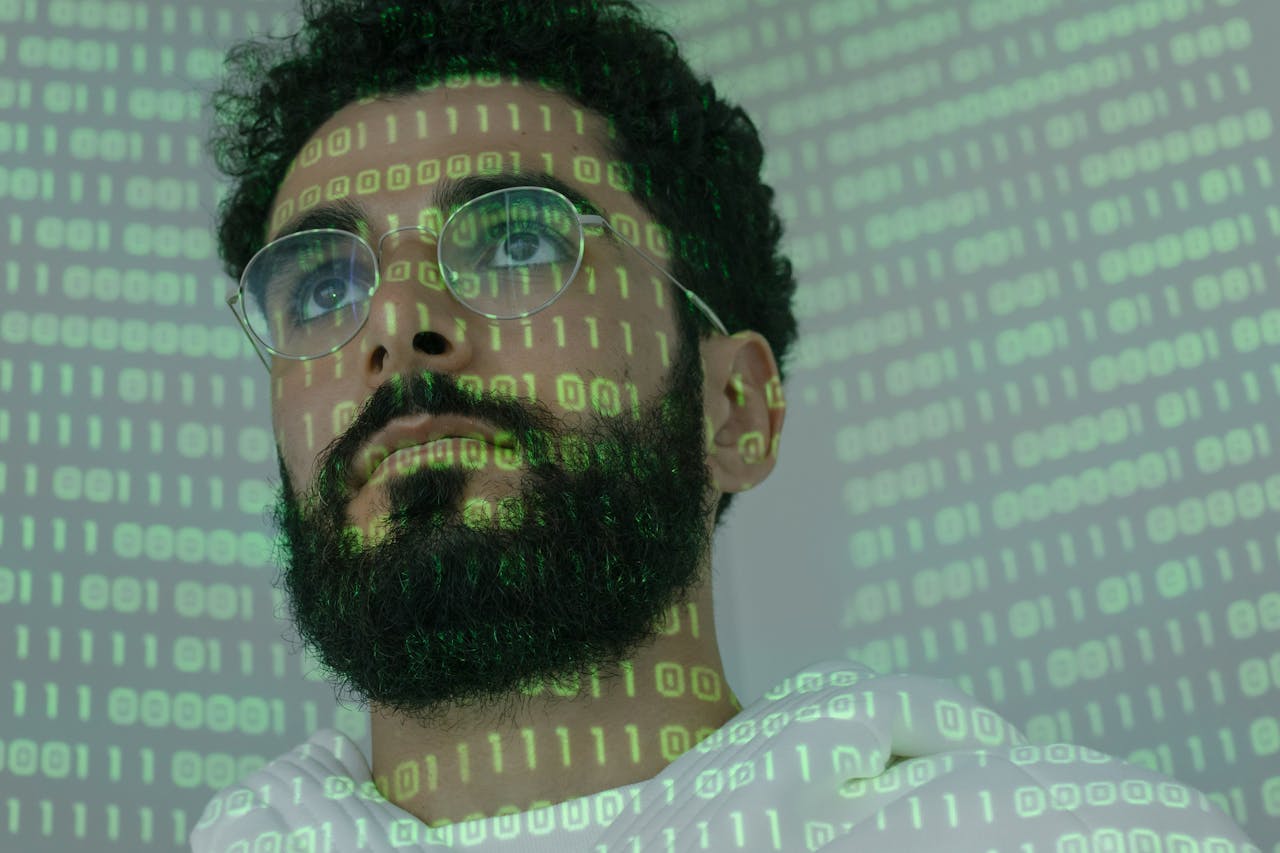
(442, 611)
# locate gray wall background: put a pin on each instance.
(1030, 440)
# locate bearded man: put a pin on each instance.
(517, 284)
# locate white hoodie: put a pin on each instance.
(835, 758)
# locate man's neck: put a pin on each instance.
(613, 732)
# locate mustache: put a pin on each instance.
(435, 394)
(533, 425)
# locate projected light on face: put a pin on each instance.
(460, 582)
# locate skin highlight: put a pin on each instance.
(533, 625)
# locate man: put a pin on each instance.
(508, 266)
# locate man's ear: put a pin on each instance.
(743, 409)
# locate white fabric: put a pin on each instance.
(805, 767)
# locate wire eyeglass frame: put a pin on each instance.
(236, 300)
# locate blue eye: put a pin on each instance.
(322, 292)
(529, 245)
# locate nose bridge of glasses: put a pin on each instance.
(435, 235)
(410, 253)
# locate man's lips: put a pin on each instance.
(420, 429)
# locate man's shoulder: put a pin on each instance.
(915, 759)
(324, 779)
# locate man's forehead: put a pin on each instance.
(426, 142)
(405, 122)
(350, 214)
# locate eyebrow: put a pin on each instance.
(348, 214)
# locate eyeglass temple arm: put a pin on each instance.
(591, 219)
(231, 303)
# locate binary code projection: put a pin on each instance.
(1028, 445)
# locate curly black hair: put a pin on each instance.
(695, 159)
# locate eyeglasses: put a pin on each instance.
(504, 255)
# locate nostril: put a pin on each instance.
(432, 343)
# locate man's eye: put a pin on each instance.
(320, 293)
(527, 247)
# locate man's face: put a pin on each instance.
(460, 573)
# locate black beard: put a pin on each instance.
(440, 613)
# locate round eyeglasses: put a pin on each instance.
(504, 255)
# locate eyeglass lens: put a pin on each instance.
(504, 255)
